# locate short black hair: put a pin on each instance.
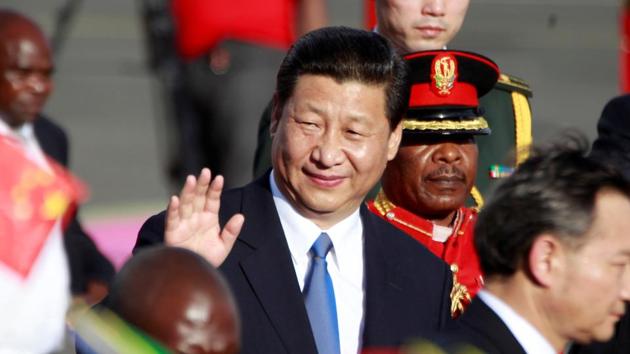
(345, 54)
(553, 191)
(613, 135)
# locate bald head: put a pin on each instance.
(178, 298)
(25, 69)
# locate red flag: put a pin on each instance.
(32, 199)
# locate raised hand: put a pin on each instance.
(192, 219)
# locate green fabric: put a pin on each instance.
(104, 331)
(497, 148)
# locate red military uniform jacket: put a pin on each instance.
(458, 250)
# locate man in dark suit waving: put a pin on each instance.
(312, 269)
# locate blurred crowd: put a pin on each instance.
(384, 196)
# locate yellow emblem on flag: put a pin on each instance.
(55, 204)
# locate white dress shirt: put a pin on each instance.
(527, 335)
(345, 263)
(34, 309)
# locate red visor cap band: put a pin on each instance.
(462, 94)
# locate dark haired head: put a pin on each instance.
(346, 54)
(195, 312)
(26, 66)
(613, 135)
(553, 192)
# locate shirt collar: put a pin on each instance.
(525, 333)
(26, 130)
(22, 133)
(301, 232)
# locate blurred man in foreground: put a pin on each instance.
(555, 253)
(179, 299)
(612, 146)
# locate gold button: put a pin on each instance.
(454, 268)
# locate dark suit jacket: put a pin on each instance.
(86, 261)
(406, 287)
(484, 329)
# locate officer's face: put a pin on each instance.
(432, 176)
(25, 82)
(414, 25)
(594, 280)
(331, 143)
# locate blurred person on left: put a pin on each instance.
(26, 68)
(36, 305)
(25, 84)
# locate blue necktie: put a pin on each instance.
(319, 298)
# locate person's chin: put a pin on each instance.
(449, 201)
(605, 332)
(27, 117)
(321, 205)
(423, 43)
(448, 190)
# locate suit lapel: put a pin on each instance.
(270, 271)
(381, 284)
(483, 322)
(44, 139)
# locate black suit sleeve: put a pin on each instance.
(86, 261)
(151, 232)
(52, 139)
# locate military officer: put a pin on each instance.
(424, 188)
(416, 25)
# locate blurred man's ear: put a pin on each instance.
(545, 259)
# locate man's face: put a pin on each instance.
(415, 25)
(596, 282)
(25, 78)
(331, 143)
(432, 176)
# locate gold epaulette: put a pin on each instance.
(513, 83)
